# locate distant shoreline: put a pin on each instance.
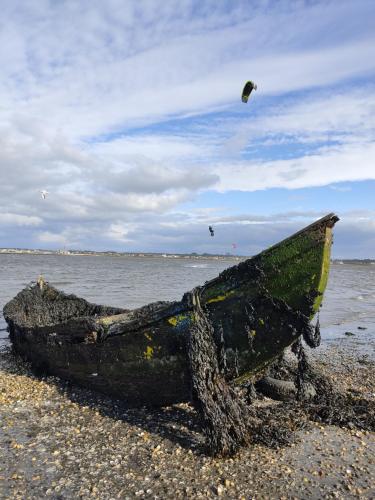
(91, 253)
(193, 255)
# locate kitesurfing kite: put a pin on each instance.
(234, 246)
(43, 194)
(210, 228)
(248, 88)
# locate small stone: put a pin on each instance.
(220, 490)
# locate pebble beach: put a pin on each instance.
(59, 441)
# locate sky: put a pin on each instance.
(129, 114)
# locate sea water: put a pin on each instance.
(128, 281)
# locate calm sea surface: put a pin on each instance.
(349, 300)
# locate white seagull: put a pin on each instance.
(44, 194)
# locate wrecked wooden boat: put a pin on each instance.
(141, 355)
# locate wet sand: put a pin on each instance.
(64, 442)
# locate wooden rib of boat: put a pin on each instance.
(141, 356)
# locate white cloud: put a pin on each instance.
(143, 203)
(48, 237)
(19, 220)
(153, 147)
(155, 178)
(119, 232)
(326, 115)
(347, 163)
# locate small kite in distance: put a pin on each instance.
(248, 88)
(43, 194)
(234, 246)
(210, 228)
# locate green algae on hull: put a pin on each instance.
(293, 269)
(305, 262)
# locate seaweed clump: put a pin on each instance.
(224, 415)
(229, 422)
(333, 407)
(328, 406)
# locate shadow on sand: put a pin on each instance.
(177, 423)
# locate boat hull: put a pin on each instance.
(141, 356)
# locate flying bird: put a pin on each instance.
(43, 194)
(248, 88)
(210, 228)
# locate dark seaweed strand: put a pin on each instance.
(224, 416)
(303, 368)
(222, 352)
(311, 335)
